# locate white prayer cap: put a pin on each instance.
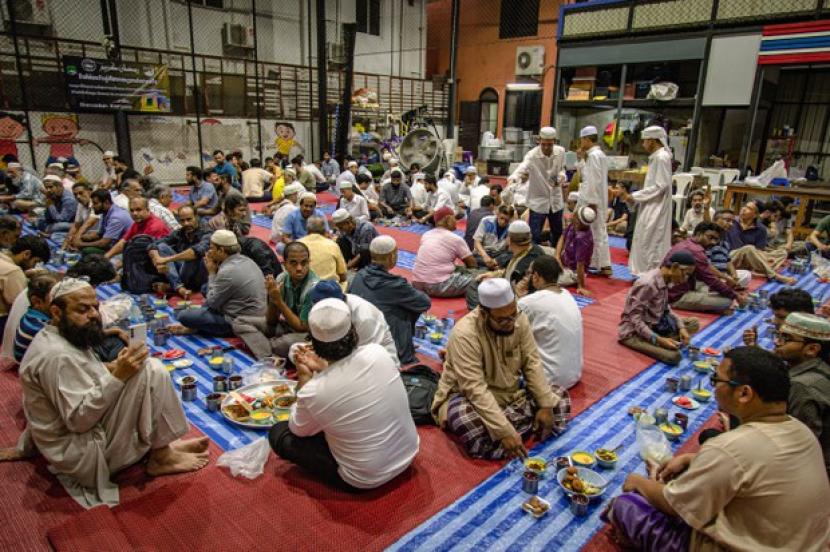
(518, 227)
(55, 166)
(308, 195)
(14, 165)
(293, 188)
(62, 159)
(394, 161)
(352, 164)
(52, 178)
(547, 133)
(345, 185)
(450, 174)
(330, 320)
(383, 245)
(292, 172)
(586, 215)
(224, 238)
(471, 170)
(588, 131)
(573, 196)
(66, 286)
(108, 154)
(656, 133)
(394, 172)
(495, 293)
(340, 215)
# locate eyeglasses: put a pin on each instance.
(714, 380)
(501, 321)
(781, 337)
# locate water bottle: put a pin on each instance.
(135, 314)
(449, 321)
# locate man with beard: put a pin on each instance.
(115, 222)
(395, 198)
(179, 255)
(295, 223)
(289, 302)
(24, 254)
(202, 195)
(60, 207)
(30, 190)
(480, 396)
(9, 231)
(85, 217)
(700, 211)
(144, 223)
(90, 419)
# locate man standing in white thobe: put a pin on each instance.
(90, 419)
(593, 192)
(544, 166)
(652, 231)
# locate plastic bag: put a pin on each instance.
(248, 461)
(267, 369)
(115, 310)
(663, 91)
(653, 445)
(776, 170)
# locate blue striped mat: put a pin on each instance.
(490, 516)
(212, 424)
(180, 198)
(616, 241)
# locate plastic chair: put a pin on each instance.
(682, 182)
(697, 170)
(730, 175)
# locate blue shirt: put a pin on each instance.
(230, 170)
(31, 323)
(62, 210)
(737, 237)
(204, 190)
(115, 223)
(294, 225)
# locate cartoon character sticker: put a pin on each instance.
(285, 142)
(61, 134)
(12, 127)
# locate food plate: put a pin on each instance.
(182, 363)
(173, 354)
(263, 398)
(711, 351)
(690, 405)
(593, 484)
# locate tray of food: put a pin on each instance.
(260, 405)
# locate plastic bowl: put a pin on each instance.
(702, 395)
(607, 464)
(589, 476)
(671, 431)
(536, 464)
(580, 459)
(702, 366)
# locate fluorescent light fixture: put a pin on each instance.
(524, 86)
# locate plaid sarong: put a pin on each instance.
(464, 421)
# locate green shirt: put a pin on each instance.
(298, 297)
(823, 230)
(307, 180)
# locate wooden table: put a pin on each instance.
(638, 177)
(736, 195)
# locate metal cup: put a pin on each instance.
(685, 382)
(234, 382)
(189, 392)
(579, 504)
(213, 401)
(220, 384)
(661, 415)
(694, 353)
(420, 331)
(530, 482)
(227, 366)
(671, 385)
(187, 380)
(160, 337)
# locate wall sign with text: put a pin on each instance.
(103, 85)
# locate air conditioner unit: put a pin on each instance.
(336, 53)
(530, 60)
(237, 36)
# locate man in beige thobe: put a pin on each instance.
(90, 419)
(479, 398)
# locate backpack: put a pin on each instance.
(259, 252)
(138, 274)
(421, 383)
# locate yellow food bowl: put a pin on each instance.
(217, 361)
(703, 395)
(671, 431)
(583, 458)
(702, 366)
(536, 464)
(260, 416)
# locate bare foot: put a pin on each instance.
(178, 329)
(786, 280)
(191, 445)
(170, 460)
(12, 454)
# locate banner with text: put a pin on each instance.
(103, 85)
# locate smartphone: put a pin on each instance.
(138, 334)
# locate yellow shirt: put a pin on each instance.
(326, 259)
(12, 282)
(276, 190)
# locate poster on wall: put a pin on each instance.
(103, 85)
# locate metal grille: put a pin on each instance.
(764, 9)
(595, 22)
(673, 13)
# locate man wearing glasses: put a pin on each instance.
(761, 486)
(803, 342)
(480, 397)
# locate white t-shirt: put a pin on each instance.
(692, 219)
(358, 207)
(83, 212)
(476, 195)
(121, 200)
(360, 405)
(451, 187)
(19, 307)
(441, 198)
(315, 172)
(278, 220)
(420, 196)
(557, 328)
(371, 326)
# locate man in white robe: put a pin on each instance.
(544, 164)
(593, 192)
(90, 419)
(652, 231)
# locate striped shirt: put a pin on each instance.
(31, 323)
